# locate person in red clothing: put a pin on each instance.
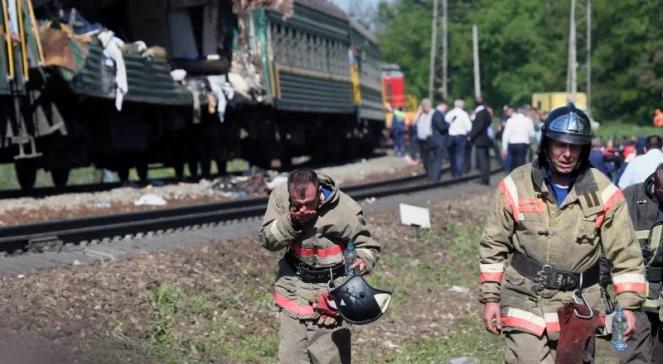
(658, 118)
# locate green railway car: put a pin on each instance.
(321, 77)
(262, 81)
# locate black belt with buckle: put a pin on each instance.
(654, 274)
(548, 277)
(310, 274)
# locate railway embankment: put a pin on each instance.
(210, 301)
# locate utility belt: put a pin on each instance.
(654, 274)
(310, 274)
(548, 277)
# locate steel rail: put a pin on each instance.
(37, 235)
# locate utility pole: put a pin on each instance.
(445, 93)
(589, 57)
(475, 53)
(433, 48)
(571, 78)
(580, 63)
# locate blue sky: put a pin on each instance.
(345, 4)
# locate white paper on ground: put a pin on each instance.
(415, 216)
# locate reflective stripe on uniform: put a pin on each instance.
(650, 304)
(656, 234)
(491, 272)
(642, 234)
(320, 252)
(524, 320)
(610, 196)
(292, 306)
(552, 322)
(633, 282)
(508, 189)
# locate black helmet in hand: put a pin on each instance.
(358, 302)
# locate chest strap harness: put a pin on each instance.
(310, 274)
(654, 274)
(548, 277)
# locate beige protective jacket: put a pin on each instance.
(525, 218)
(340, 220)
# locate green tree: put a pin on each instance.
(523, 49)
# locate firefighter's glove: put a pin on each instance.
(325, 308)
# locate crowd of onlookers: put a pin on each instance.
(627, 161)
(437, 135)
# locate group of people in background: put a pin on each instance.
(437, 135)
(629, 160)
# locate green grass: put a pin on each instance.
(428, 274)
(468, 340)
(185, 325)
(87, 175)
(77, 176)
(609, 129)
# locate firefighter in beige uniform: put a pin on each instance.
(553, 217)
(313, 220)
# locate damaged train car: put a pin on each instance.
(125, 84)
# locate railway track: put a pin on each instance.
(53, 235)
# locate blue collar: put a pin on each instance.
(326, 192)
(559, 193)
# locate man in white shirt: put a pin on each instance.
(425, 132)
(459, 126)
(518, 132)
(644, 165)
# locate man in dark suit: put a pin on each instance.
(478, 136)
(439, 142)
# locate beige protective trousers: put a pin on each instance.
(525, 348)
(302, 341)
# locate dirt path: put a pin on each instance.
(114, 312)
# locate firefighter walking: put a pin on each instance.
(645, 205)
(314, 221)
(553, 218)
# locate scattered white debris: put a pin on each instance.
(459, 289)
(389, 345)
(102, 205)
(278, 180)
(370, 200)
(415, 216)
(20, 276)
(151, 200)
(463, 360)
(76, 262)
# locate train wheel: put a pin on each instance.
(123, 174)
(193, 169)
(142, 171)
(60, 177)
(221, 167)
(26, 174)
(179, 171)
